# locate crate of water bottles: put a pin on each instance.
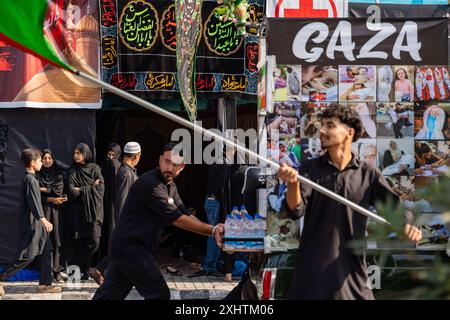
(243, 231)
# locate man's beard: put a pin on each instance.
(168, 176)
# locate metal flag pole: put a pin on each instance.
(217, 137)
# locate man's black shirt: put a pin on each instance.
(151, 205)
(327, 268)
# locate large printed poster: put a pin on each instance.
(138, 50)
(27, 81)
(307, 8)
(404, 109)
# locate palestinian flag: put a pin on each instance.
(22, 26)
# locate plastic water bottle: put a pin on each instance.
(239, 227)
(229, 226)
(259, 226)
(243, 212)
(235, 212)
(249, 226)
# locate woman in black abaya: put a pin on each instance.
(51, 185)
(110, 167)
(85, 188)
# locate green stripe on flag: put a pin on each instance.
(21, 25)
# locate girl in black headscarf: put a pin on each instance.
(51, 185)
(85, 188)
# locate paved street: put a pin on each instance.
(181, 287)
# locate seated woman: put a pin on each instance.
(392, 156)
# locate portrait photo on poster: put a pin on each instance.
(311, 149)
(319, 83)
(366, 150)
(395, 120)
(395, 83)
(367, 115)
(285, 118)
(396, 157)
(310, 121)
(432, 158)
(280, 76)
(357, 83)
(432, 83)
(431, 121)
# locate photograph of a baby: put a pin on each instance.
(432, 83)
(319, 83)
(357, 83)
(432, 121)
(396, 156)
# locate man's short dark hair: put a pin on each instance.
(30, 154)
(170, 146)
(346, 116)
(297, 135)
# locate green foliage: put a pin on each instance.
(429, 283)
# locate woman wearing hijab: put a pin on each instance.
(51, 185)
(392, 156)
(110, 167)
(85, 188)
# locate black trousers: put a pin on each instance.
(85, 249)
(102, 265)
(44, 261)
(122, 276)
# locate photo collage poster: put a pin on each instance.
(404, 111)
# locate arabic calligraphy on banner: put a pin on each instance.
(205, 82)
(109, 15)
(139, 39)
(159, 81)
(169, 28)
(109, 56)
(221, 36)
(138, 25)
(233, 82)
(251, 56)
(124, 81)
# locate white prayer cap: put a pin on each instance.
(132, 147)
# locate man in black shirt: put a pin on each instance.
(326, 267)
(125, 178)
(152, 203)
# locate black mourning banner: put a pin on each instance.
(138, 43)
(347, 41)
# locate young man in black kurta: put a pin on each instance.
(152, 203)
(326, 267)
(35, 242)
